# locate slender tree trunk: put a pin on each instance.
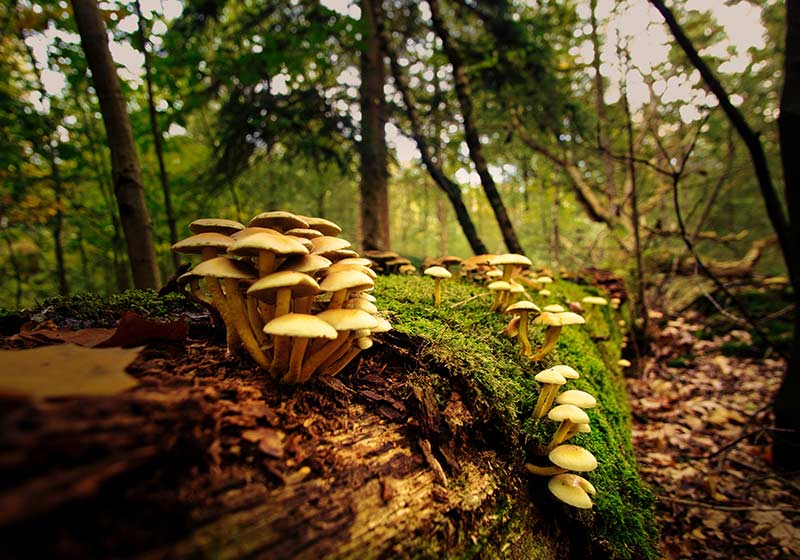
(555, 237)
(602, 119)
(464, 94)
(12, 257)
(432, 165)
(786, 450)
(157, 144)
(374, 210)
(441, 215)
(126, 175)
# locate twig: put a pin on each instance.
(469, 299)
(726, 508)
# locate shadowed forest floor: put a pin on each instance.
(700, 418)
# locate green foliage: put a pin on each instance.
(465, 345)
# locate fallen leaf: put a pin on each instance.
(135, 331)
(83, 337)
(270, 441)
(66, 369)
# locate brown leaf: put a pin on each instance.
(83, 337)
(135, 331)
(61, 370)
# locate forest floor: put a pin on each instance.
(702, 436)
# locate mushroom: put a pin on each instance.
(437, 273)
(523, 309)
(565, 458)
(344, 321)
(344, 282)
(572, 489)
(553, 308)
(278, 220)
(325, 227)
(623, 363)
(551, 380)
(362, 343)
(500, 288)
(511, 262)
(448, 262)
(569, 415)
(230, 304)
(593, 302)
(301, 328)
(303, 232)
(215, 225)
(554, 322)
(207, 245)
(578, 398)
(266, 247)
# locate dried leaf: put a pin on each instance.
(135, 331)
(66, 369)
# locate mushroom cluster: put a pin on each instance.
(291, 292)
(572, 419)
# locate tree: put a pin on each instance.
(374, 208)
(125, 170)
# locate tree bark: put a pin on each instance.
(464, 94)
(154, 128)
(786, 450)
(374, 209)
(126, 174)
(432, 165)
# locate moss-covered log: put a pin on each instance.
(414, 451)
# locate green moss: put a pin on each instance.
(465, 346)
(93, 309)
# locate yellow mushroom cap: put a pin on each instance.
(223, 267)
(300, 325)
(499, 285)
(573, 458)
(623, 363)
(249, 246)
(550, 377)
(361, 261)
(437, 272)
(569, 412)
(553, 308)
(346, 280)
(305, 263)
(278, 220)
(544, 280)
(522, 307)
(572, 489)
(566, 371)
(338, 267)
(364, 342)
(349, 319)
(302, 285)
(578, 398)
(196, 243)
(362, 304)
(544, 293)
(325, 227)
(559, 319)
(303, 232)
(510, 258)
(215, 225)
(494, 273)
(594, 300)
(328, 244)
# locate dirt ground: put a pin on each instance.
(702, 434)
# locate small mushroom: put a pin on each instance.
(572, 489)
(511, 262)
(302, 328)
(565, 458)
(551, 380)
(569, 415)
(554, 322)
(437, 273)
(215, 225)
(500, 289)
(523, 309)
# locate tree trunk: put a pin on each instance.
(157, 145)
(126, 175)
(464, 94)
(602, 119)
(432, 165)
(374, 209)
(786, 450)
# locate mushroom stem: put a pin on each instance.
(194, 288)
(337, 299)
(317, 358)
(239, 317)
(280, 355)
(552, 470)
(546, 398)
(337, 353)
(303, 304)
(283, 301)
(339, 364)
(550, 337)
(522, 336)
(299, 346)
(255, 320)
(562, 433)
(437, 292)
(266, 263)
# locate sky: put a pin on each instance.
(741, 22)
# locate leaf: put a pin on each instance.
(66, 369)
(270, 442)
(135, 331)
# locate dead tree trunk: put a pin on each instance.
(374, 209)
(464, 94)
(126, 174)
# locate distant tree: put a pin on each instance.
(125, 170)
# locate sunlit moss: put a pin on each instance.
(464, 346)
